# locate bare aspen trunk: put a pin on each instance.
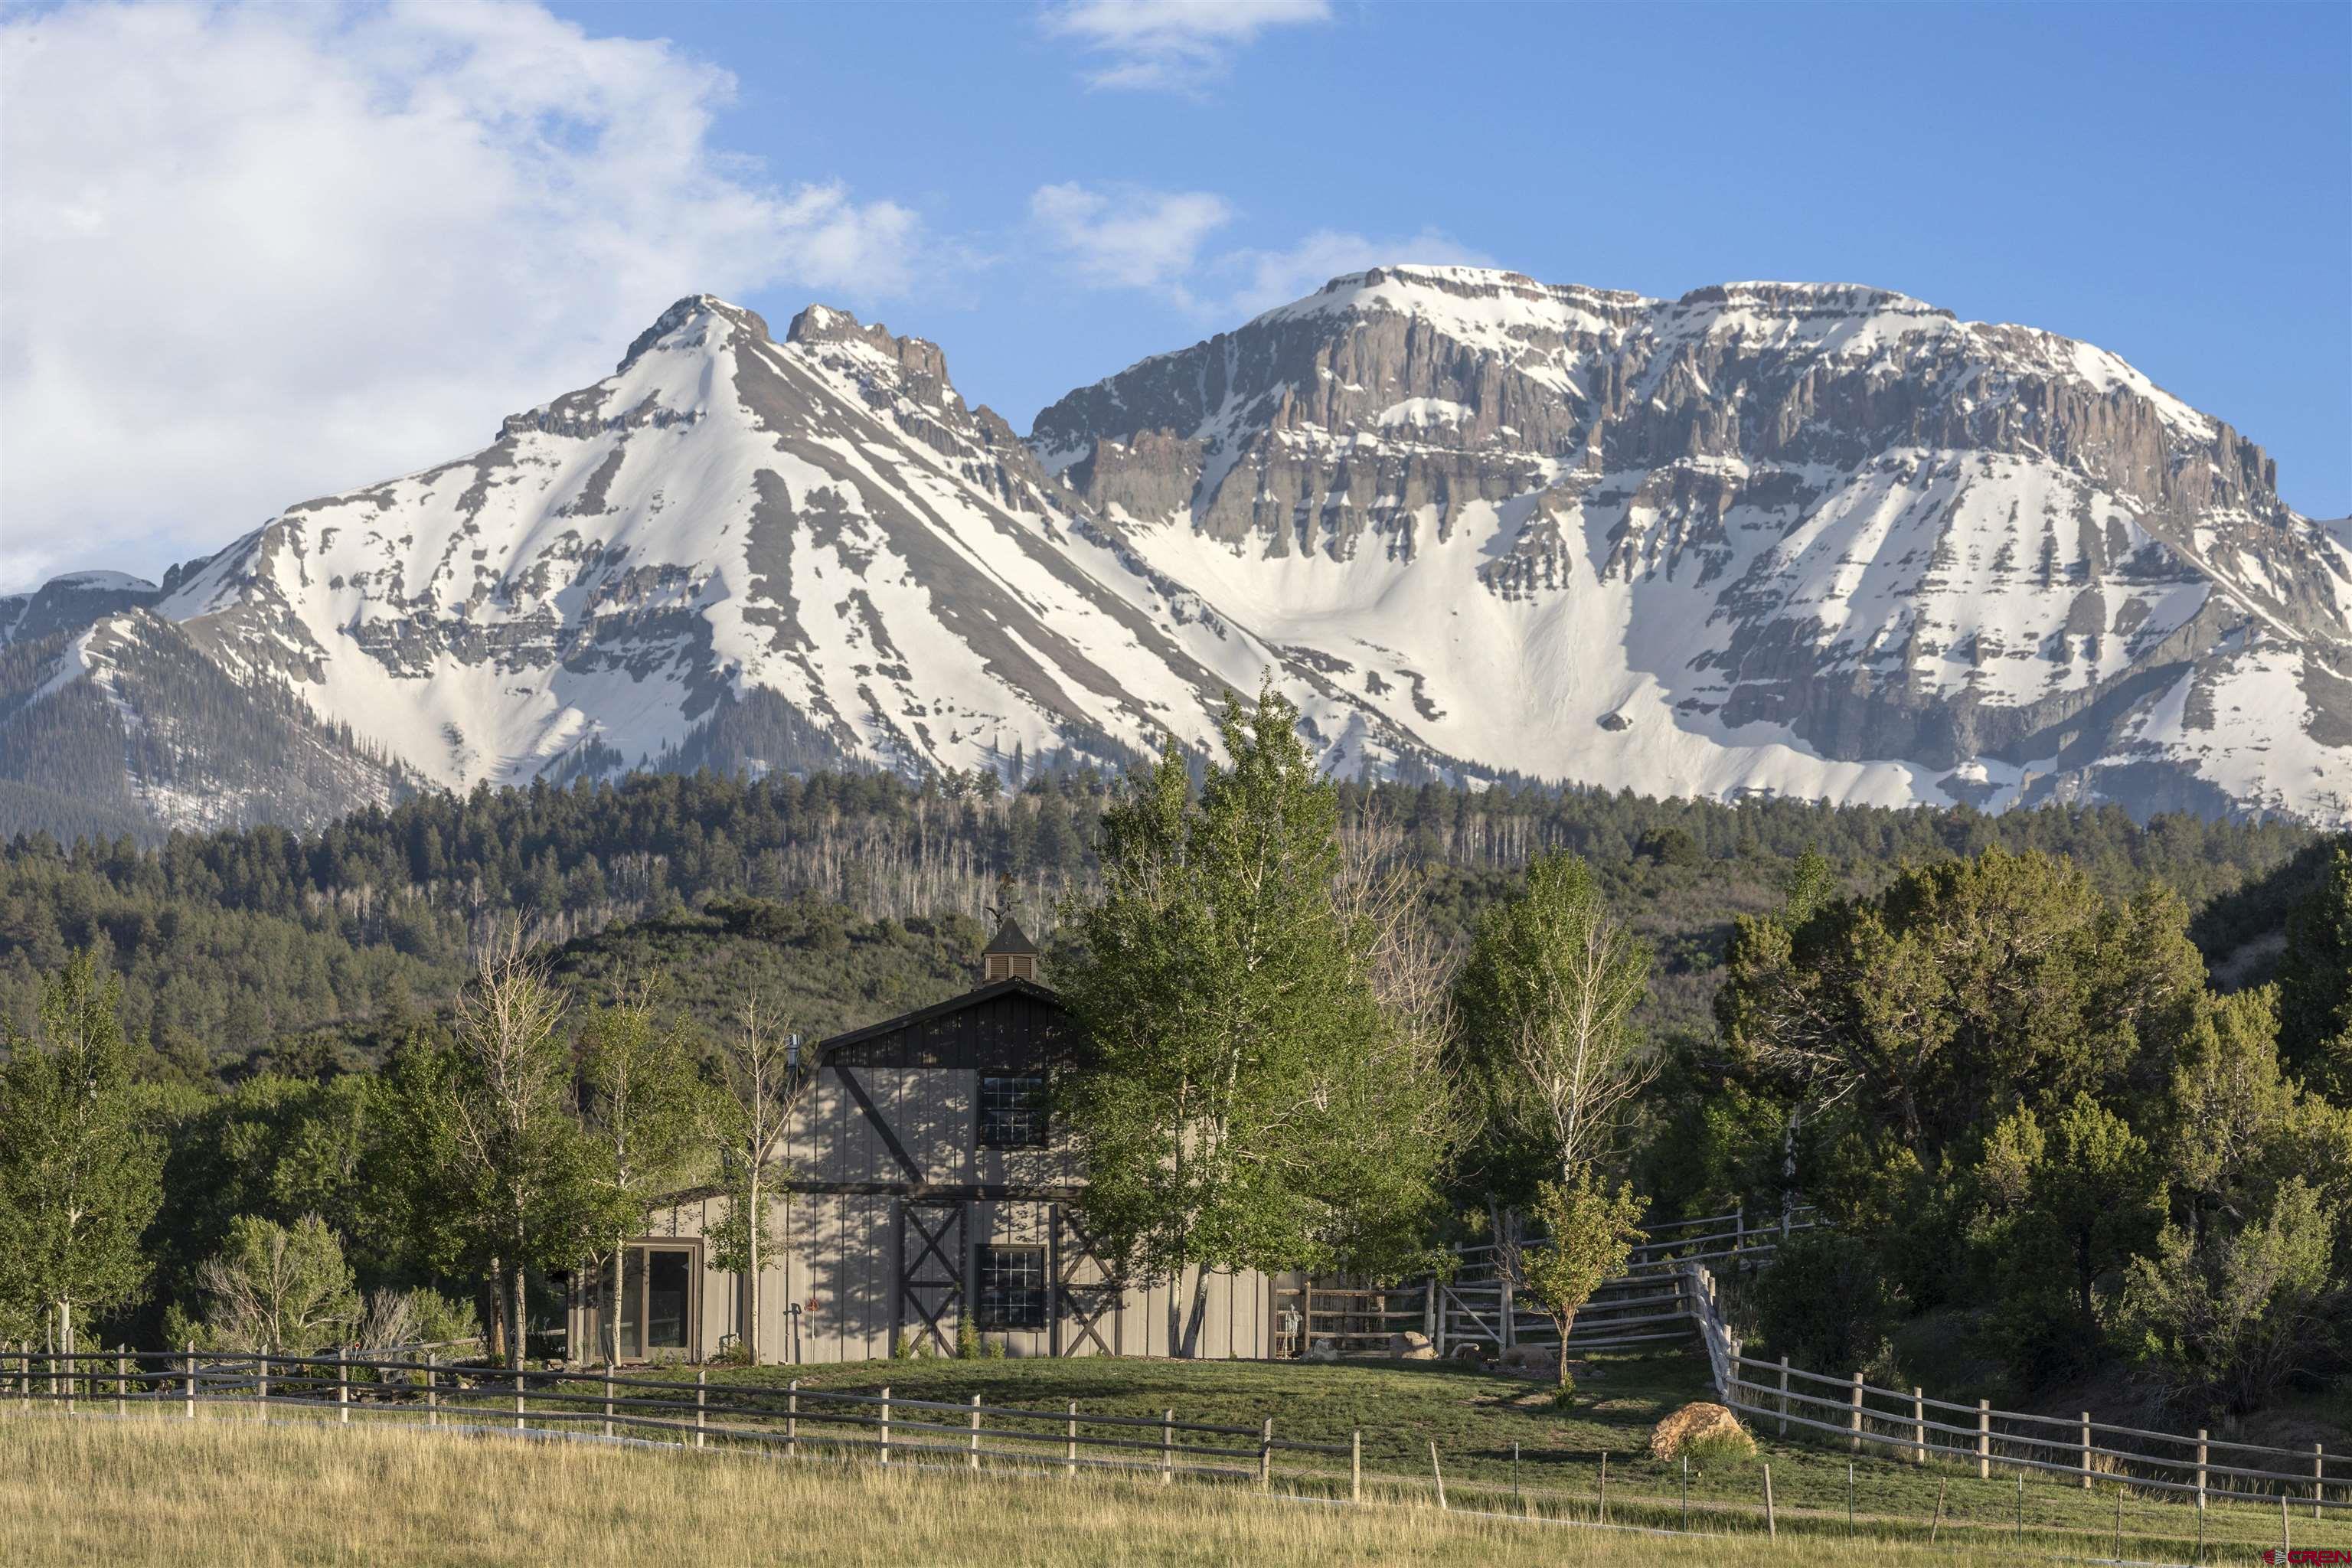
(752, 1238)
(498, 1313)
(516, 1341)
(613, 1306)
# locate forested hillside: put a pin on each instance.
(242, 947)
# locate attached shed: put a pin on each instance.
(923, 1183)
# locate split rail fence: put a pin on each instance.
(796, 1421)
(612, 1406)
(1862, 1416)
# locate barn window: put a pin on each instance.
(1012, 1111)
(1011, 1287)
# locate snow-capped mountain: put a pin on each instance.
(1817, 539)
(1813, 539)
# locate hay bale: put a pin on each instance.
(1701, 1418)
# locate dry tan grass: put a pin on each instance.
(149, 1490)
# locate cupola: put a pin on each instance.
(1009, 956)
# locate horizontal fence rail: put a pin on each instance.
(796, 1421)
(1909, 1425)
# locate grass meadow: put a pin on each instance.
(149, 1489)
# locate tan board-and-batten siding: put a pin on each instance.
(890, 1194)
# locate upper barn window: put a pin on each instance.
(1011, 1111)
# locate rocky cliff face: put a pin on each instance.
(1810, 539)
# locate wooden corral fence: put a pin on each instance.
(1906, 1424)
(607, 1404)
(1475, 1302)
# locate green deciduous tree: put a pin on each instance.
(765, 1084)
(1545, 1005)
(1240, 1110)
(502, 1178)
(78, 1178)
(645, 1104)
(1588, 1233)
(279, 1288)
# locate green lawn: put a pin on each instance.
(1474, 1418)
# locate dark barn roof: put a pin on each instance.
(1011, 1026)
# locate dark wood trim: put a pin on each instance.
(1086, 1303)
(937, 1191)
(936, 1010)
(931, 1240)
(889, 1138)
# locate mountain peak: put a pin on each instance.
(827, 324)
(694, 312)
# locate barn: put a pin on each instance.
(923, 1185)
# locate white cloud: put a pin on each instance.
(251, 256)
(1173, 43)
(1128, 237)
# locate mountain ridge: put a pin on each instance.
(1820, 539)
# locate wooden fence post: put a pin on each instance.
(264, 1360)
(1771, 1524)
(192, 1380)
(792, 1419)
(1356, 1464)
(1070, 1455)
(432, 1397)
(701, 1401)
(1438, 1472)
(2087, 1450)
(608, 1399)
(2318, 1478)
(1265, 1456)
(886, 1422)
(1855, 1443)
(518, 1380)
(1604, 1486)
(1984, 1440)
(2200, 1469)
(1784, 1396)
(1509, 1311)
(122, 1387)
(1167, 1447)
(343, 1385)
(975, 1431)
(1918, 1426)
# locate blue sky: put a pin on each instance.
(2173, 183)
(338, 242)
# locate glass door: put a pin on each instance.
(657, 1314)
